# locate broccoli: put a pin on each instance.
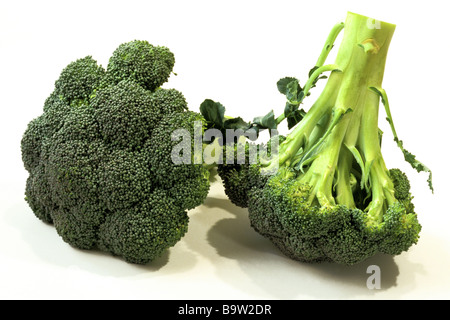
(240, 176)
(327, 194)
(99, 161)
(145, 64)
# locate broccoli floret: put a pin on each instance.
(401, 184)
(39, 195)
(78, 80)
(147, 65)
(142, 232)
(41, 127)
(239, 169)
(328, 195)
(99, 158)
(190, 191)
(169, 101)
(125, 127)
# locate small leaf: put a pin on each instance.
(266, 122)
(214, 113)
(295, 117)
(236, 124)
(293, 92)
(312, 71)
(289, 108)
(292, 114)
(282, 84)
(317, 79)
(300, 96)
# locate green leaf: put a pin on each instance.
(290, 108)
(314, 82)
(295, 117)
(312, 71)
(282, 84)
(266, 122)
(214, 113)
(294, 92)
(236, 124)
(293, 114)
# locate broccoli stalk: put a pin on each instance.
(351, 111)
(328, 193)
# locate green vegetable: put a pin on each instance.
(99, 156)
(327, 194)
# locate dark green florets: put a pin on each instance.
(78, 80)
(99, 157)
(125, 114)
(140, 233)
(310, 233)
(190, 191)
(147, 65)
(401, 184)
(169, 101)
(39, 194)
(240, 171)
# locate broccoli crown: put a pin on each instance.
(327, 195)
(313, 233)
(99, 159)
(77, 81)
(149, 66)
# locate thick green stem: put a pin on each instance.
(298, 137)
(377, 174)
(375, 47)
(320, 174)
(361, 59)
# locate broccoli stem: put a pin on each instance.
(320, 174)
(344, 185)
(329, 43)
(298, 138)
(319, 66)
(377, 174)
(309, 84)
(326, 156)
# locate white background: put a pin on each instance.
(233, 52)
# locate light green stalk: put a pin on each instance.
(352, 112)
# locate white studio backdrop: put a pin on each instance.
(233, 52)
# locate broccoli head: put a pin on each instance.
(327, 195)
(99, 159)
